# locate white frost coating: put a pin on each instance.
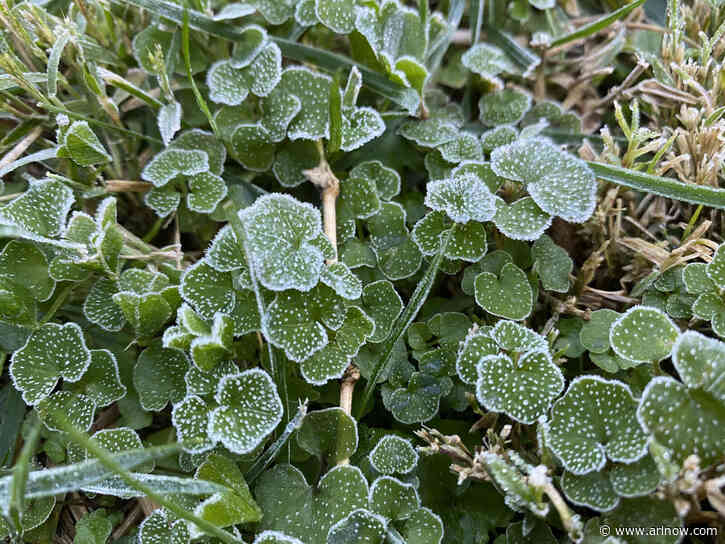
(41, 210)
(560, 183)
(190, 418)
(521, 220)
(361, 523)
(337, 15)
(169, 163)
(207, 290)
(393, 454)
(359, 126)
(169, 121)
(464, 198)
(249, 409)
(275, 537)
(643, 334)
(393, 499)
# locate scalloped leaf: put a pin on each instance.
(398, 255)
(249, 410)
(358, 527)
(329, 434)
(504, 107)
(553, 264)
(464, 197)
(101, 382)
(594, 334)
(313, 92)
(82, 146)
(229, 83)
(291, 161)
(207, 290)
(97, 310)
(66, 408)
(393, 499)
(643, 334)
(339, 277)
(158, 528)
(383, 304)
(159, 377)
(171, 163)
(523, 389)
(41, 210)
(521, 220)
(52, 352)
(560, 183)
(418, 401)
(488, 61)
(190, 418)
(468, 241)
(509, 295)
(387, 180)
(280, 233)
(393, 455)
(595, 421)
(206, 191)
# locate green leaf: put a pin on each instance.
(360, 126)
(560, 184)
(291, 506)
(291, 161)
(418, 402)
(595, 421)
(337, 15)
(488, 61)
(398, 255)
(598, 24)
(553, 264)
(464, 198)
(171, 163)
(644, 513)
(387, 180)
(157, 527)
(275, 537)
(24, 266)
(393, 499)
(523, 388)
(383, 304)
(64, 406)
(159, 377)
(280, 233)
(339, 277)
(94, 527)
(207, 290)
(249, 410)
(393, 455)
(101, 382)
(521, 220)
(359, 526)
(82, 145)
(643, 334)
(329, 434)
(504, 107)
(41, 210)
(229, 83)
(169, 121)
(509, 295)
(206, 191)
(699, 401)
(50, 353)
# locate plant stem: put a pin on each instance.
(57, 303)
(21, 146)
(324, 178)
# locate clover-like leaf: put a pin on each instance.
(294, 508)
(643, 334)
(97, 310)
(560, 184)
(383, 304)
(280, 232)
(339, 277)
(594, 334)
(429, 132)
(313, 92)
(358, 198)
(82, 146)
(553, 264)
(159, 377)
(252, 146)
(359, 526)
(464, 198)
(644, 513)
(393, 499)
(296, 321)
(387, 180)
(398, 255)
(699, 401)
(504, 107)
(595, 421)
(509, 295)
(52, 352)
(330, 434)
(146, 299)
(477, 345)
(468, 241)
(24, 268)
(521, 220)
(158, 528)
(593, 490)
(249, 410)
(204, 141)
(393, 455)
(291, 161)
(41, 210)
(275, 537)
(208, 350)
(359, 126)
(465, 147)
(206, 190)
(190, 418)
(101, 382)
(207, 290)
(172, 162)
(523, 389)
(229, 83)
(418, 402)
(65, 408)
(488, 61)
(337, 15)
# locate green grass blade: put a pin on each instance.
(54, 61)
(523, 57)
(667, 187)
(42, 155)
(111, 78)
(599, 24)
(335, 141)
(187, 62)
(476, 19)
(19, 478)
(415, 303)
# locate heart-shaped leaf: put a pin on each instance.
(357, 527)
(159, 377)
(522, 220)
(553, 264)
(41, 210)
(509, 295)
(504, 107)
(398, 256)
(393, 455)
(595, 421)
(488, 61)
(418, 402)
(329, 434)
(101, 382)
(464, 198)
(643, 334)
(170, 163)
(159, 528)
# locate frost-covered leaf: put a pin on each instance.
(66, 408)
(207, 290)
(387, 180)
(97, 310)
(635, 479)
(41, 210)
(488, 61)
(94, 527)
(398, 256)
(716, 268)
(358, 198)
(313, 91)
(520, 494)
(101, 382)
(280, 233)
(159, 377)
(203, 141)
(553, 264)
(294, 508)
(359, 126)
(383, 304)
(206, 190)
(595, 421)
(275, 537)
(342, 281)
(291, 161)
(699, 401)
(158, 529)
(468, 241)
(253, 147)
(163, 200)
(429, 132)
(465, 147)
(169, 120)
(82, 146)
(593, 490)
(211, 348)
(172, 162)
(644, 514)
(393, 455)
(52, 352)
(521, 220)
(358, 527)
(329, 434)
(464, 198)
(249, 409)
(509, 295)
(418, 402)
(477, 345)
(513, 337)
(296, 321)
(393, 499)
(643, 334)
(230, 83)
(224, 253)
(190, 418)
(505, 107)
(523, 389)
(594, 334)
(559, 183)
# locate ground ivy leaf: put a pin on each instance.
(359, 126)
(101, 382)
(643, 334)
(553, 265)
(418, 402)
(172, 162)
(280, 233)
(509, 295)
(593, 490)
(496, 137)
(429, 132)
(253, 147)
(358, 527)
(387, 180)
(312, 90)
(594, 334)
(224, 253)
(64, 407)
(249, 410)
(504, 107)
(523, 389)
(393, 455)
(50, 353)
(41, 210)
(358, 199)
(330, 434)
(275, 537)
(477, 345)
(163, 200)
(635, 479)
(644, 513)
(208, 350)
(522, 220)
(698, 401)
(206, 191)
(190, 418)
(465, 147)
(464, 198)
(398, 256)
(207, 290)
(423, 527)
(293, 507)
(512, 336)
(560, 183)
(204, 141)
(716, 268)
(342, 281)
(595, 421)
(383, 304)
(292, 159)
(157, 528)
(159, 377)
(393, 499)
(488, 61)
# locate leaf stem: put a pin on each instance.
(324, 178)
(57, 303)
